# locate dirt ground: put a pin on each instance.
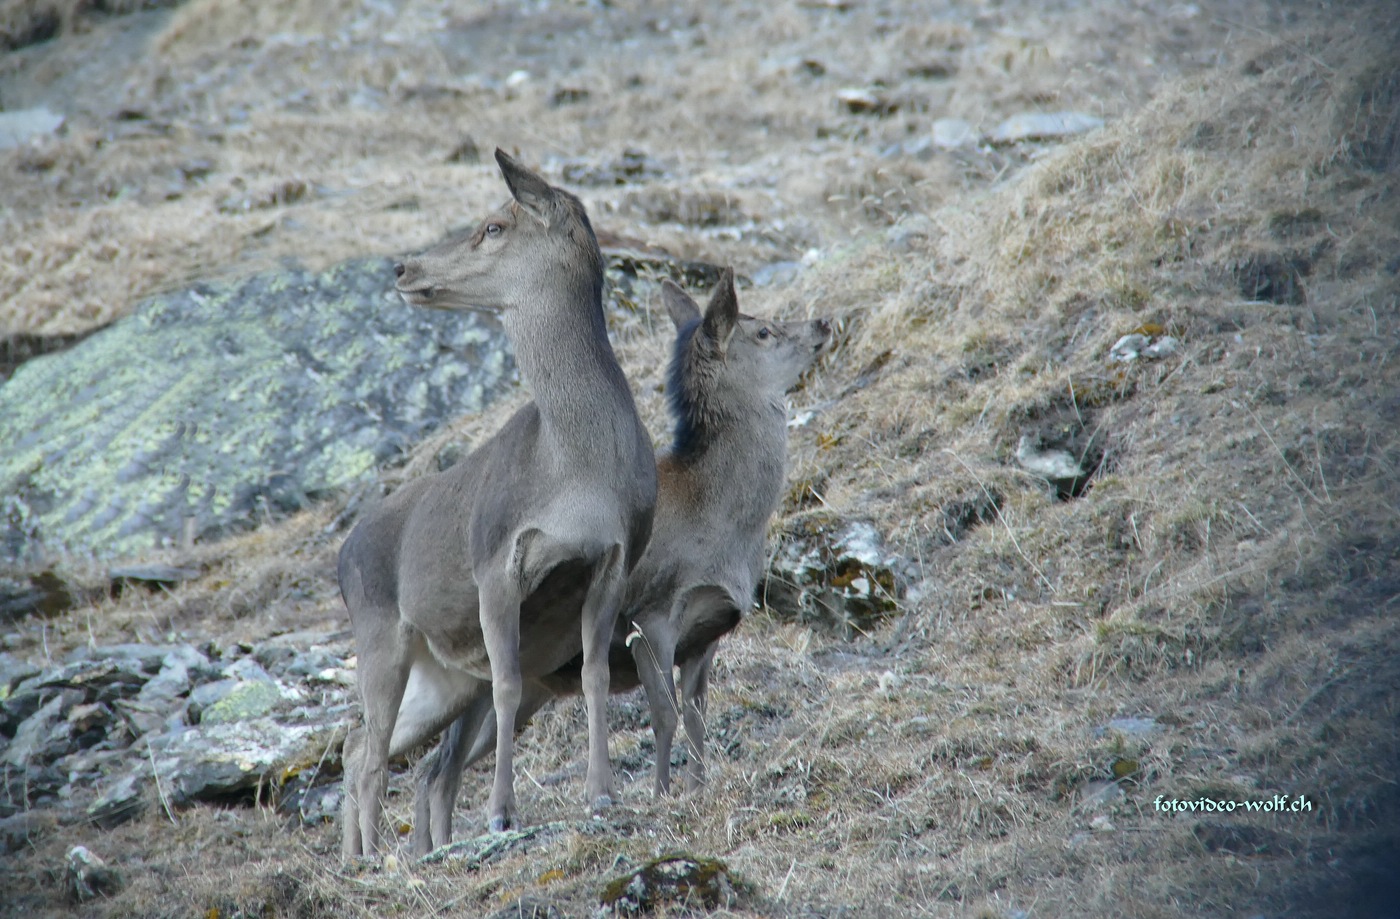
(1229, 568)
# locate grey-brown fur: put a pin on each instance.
(719, 484)
(504, 567)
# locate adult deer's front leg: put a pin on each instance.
(599, 615)
(500, 630)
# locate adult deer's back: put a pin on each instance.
(499, 569)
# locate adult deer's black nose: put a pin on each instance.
(398, 269)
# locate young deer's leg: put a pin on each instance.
(383, 672)
(440, 774)
(599, 616)
(695, 684)
(654, 651)
(466, 742)
(500, 630)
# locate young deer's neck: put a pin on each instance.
(738, 444)
(562, 349)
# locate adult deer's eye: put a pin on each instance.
(493, 229)
(764, 334)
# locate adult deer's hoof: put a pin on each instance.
(497, 824)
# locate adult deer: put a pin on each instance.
(498, 569)
(719, 483)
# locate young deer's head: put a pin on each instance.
(541, 239)
(727, 363)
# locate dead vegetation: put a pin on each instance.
(1229, 571)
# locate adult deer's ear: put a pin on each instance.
(722, 313)
(528, 189)
(681, 308)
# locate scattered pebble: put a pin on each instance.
(20, 126)
(953, 133)
(87, 877)
(1043, 126)
(1132, 346)
(1101, 824)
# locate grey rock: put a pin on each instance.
(120, 801)
(207, 409)
(1127, 348)
(12, 672)
(45, 735)
(954, 133)
(245, 700)
(1133, 727)
(835, 572)
(214, 761)
(165, 687)
(1043, 126)
(205, 695)
(19, 830)
(247, 668)
(87, 877)
(20, 126)
(776, 274)
(150, 576)
(670, 879)
(43, 593)
(1054, 465)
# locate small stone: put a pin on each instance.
(1099, 793)
(953, 133)
(17, 830)
(44, 736)
(1043, 126)
(1127, 348)
(20, 126)
(87, 877)
(858, 100)
(246, 699)
(670, 879)
(1133, 727)
(517, 79)
(119, 802)
(1101, 824)
(776, 274)
(1054, 465)
(1165, 346)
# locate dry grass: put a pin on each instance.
(1231, 571)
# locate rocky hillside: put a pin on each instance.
(1083, 594)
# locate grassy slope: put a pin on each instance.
(1232, 571)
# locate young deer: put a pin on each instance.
(719, 483)
(499, 569)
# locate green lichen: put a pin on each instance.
(673, 878)
(212, 407)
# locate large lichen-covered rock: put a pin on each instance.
(835, 572)
(208, 408)
(676, 878)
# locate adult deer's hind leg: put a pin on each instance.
(384, 656)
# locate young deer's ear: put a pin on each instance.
(528, 189)
(722, 313)
(681, 308)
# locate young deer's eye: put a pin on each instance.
(764, 334)
(493, 229)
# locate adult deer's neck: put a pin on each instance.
(562, 349)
